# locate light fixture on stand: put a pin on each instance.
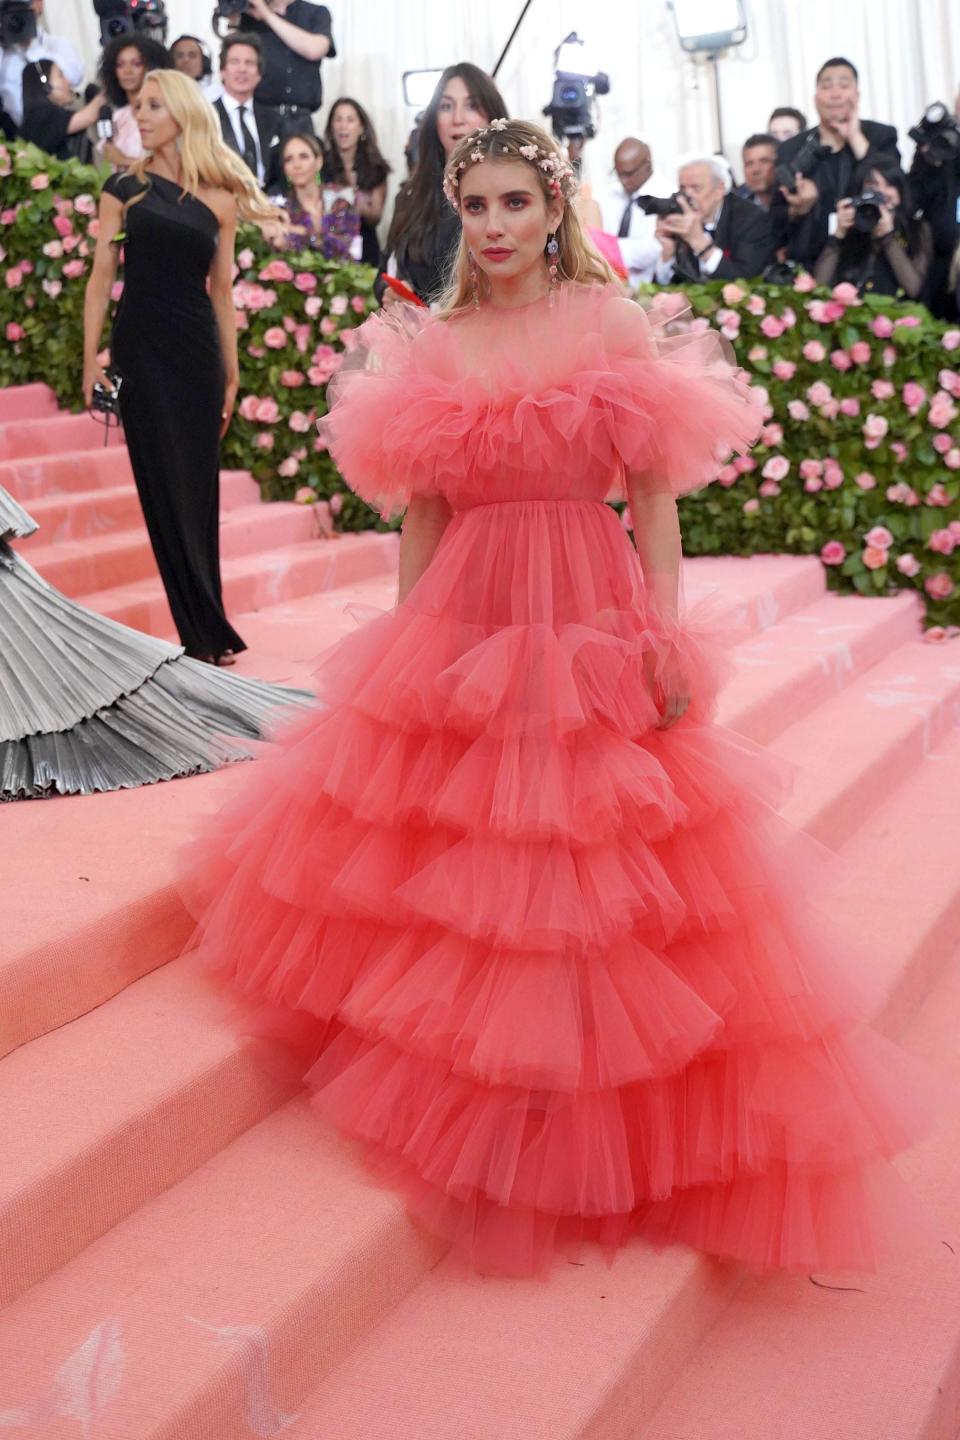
(708, 29)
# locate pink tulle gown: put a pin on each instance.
(547, 962)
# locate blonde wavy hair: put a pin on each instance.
(506, 140)
(204, 158)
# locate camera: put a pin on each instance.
(226, 10)
(572, 108)
(18, 23)
(107, 401)
(867, 210)
(657, 205)
(805, 161)
(129, 17)
(938, 133)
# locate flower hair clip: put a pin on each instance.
(559, 173)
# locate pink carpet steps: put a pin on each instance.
(186, 1255)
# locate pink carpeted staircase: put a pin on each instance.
(186, 1254)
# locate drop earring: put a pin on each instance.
(553, 250)
(474, 280)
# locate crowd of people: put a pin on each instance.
(832, 197)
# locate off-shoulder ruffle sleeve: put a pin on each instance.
(378, 425)
(677, 403)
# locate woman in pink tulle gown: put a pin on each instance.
(518, 901)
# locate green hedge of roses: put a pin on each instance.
(859, 461)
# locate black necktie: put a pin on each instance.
(249, 144)
(625, 219)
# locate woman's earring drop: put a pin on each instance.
(474, 280)
(553, 250)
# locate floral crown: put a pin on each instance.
(559, 174)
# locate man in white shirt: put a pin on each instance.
(622, 216)
(252, 130)
(716, 234)
(43, 46)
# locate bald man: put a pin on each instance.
(633, 176)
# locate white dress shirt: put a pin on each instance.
(232, 108)
(43, 46)
(640, 248)
(666, 268)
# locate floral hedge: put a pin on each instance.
(859, 461)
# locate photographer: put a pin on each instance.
(878, 243)
(708, 232)
(820, 163)
(49, 120)
(26, 17)
(297, 37)
(935, 184)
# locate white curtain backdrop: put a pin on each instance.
(907, 51)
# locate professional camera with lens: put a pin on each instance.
(938, 133)
(18, 23)
(572, 109)
(129, 17)
(226, 10)
(658, 205)
(805, 162)
(867, 210)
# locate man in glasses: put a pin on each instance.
(634, 177)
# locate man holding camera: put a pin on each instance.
(818, 167)
(709, 233)
(935, 181)
(297, 37)
(24, 40)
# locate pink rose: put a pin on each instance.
(338, 305)
(941, 541)
(789, 317)
(247, 409)
(865, 480)
(937, 496)
(750, 507)
(879, 538)
(812, 484)
(875, 427)
(908, 322)
(938, 586)
(784, 369)
(301, 337)
(241, 319)
(849, 405)
(289, 324)
(40, 181)
(359, 305)
(320, 444)
(15, 332)
(292, 378)
(275, 338)
(832, 476)
(14, 278)
(882, 389)
(93, 229)
(913, 396)
(313, 306)
(85, 205)
(797, 410)
(276, 270)
(833, 553)
(908, 565)
(804, 283)
(830, 409)
(840, 360)
(7, 217)
(328, 326)
(814, 352)
(952, 459)
(63, 225)
(305, 496)
(336, 504)
(289, 467)
(889, 355)
(730, 329)
(950, 381)
(756, 304)
(306, 282)
(52, 288)
(860, 352)
(245, 258)
(732, 293)
(53, 250)
(268, 411)
(70, 242)
(769, 488)
(772, 327)
(882, 326)
(771, 435)
(951, 339)
(760, 394)
(898, 450)
(776, 468)
(73, 269)
(942, 411)
(846, 294)
(264, 440)
(727, 476)
(299, 422)
(756, 353)
(744, 464)
(810, 468)
(874, 559)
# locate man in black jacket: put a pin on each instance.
(831, 158)
(717, 235)
(252, 130)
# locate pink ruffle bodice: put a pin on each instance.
(551, 401)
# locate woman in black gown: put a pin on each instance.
(174, 343)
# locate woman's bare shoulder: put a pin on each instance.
(220, 201)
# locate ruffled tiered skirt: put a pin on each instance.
(553, 966)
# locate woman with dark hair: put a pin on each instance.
(191, 57)
(123, 68)
(889, 255)
(315, 219)
(425, 231)
(49, 121)
(352, 161)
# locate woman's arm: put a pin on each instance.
(656, 531)
(423, 525)
(221, 295)
(97, 296)
(89, 115)
(370, 203)
(910, 270)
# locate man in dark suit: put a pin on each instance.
(252, 130)
(717, 235)
(833, 156)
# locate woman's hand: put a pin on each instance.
(94, 374)
(229, 402)
(845, 215)
(886, 224)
